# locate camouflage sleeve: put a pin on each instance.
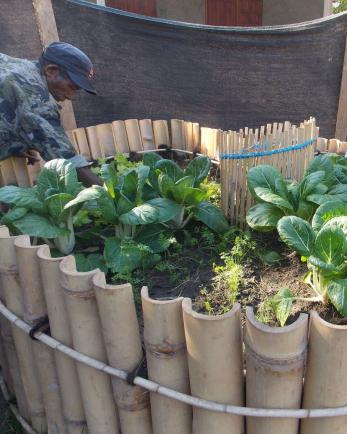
(40, 128)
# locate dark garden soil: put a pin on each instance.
(191, 272)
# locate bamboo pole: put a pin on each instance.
(121, 334)
(134, 135)
(80, 138)
(161, 133)
(94, 145)
(342, 149)
(99, 406)
(34, 311)
(172, 394)
(166, 362)
(147, 134)
(105, 139)
(31, 406)
(59, 326)
(196, 137)
(333, 145)
(188, 133)
(178, 138)
(325, 380)
(214, 348)
(120, 137)
(275, 359)
(21, 173)
(4, 363)
(7, 172)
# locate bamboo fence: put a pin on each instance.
(235, 152)
(206, 373)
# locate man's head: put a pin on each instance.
(67, 69)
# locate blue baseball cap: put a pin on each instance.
(77, 64)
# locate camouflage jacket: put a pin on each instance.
(29, 115)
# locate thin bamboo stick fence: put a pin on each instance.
(186, 353)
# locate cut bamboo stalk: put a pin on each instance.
(166, 362)
(161, 133)
(4, 363)
(34, 311)
(188, 134)
(342, 149)
(99, 406)
(59, 326)
(204, 140)
(105, 138)
(333, 145)
(147, 134)
(196, 137)
(7, 172)
(325, 387)
(94, 145)
(134, 135)
(178, 139)
(120, 137)
(121, 334)
(21, 173)
(214, 348)
(80, 138)
(12, 293)
(275, 360)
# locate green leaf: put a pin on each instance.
(297, 234)
(22, 197)
(156, 237)
(56, 204)
(151, 158)
(199, 169)
(123, 204)
(90, 262)
(126, 255)
(157, 210)
(264, 217)
(339, 189)
(59, 174)
(327, 211)
(109, 175)
(211, 216)
(266, 195)
(331, 245)
(337, 292)
(170, 169)
(38, 226)
(322, 163)
(12, 215)
(104, 202)
(269, 178)
(166, 186)
(309, 183)
(270, 257)
(305, 210)
(281, 304)
(340, 222)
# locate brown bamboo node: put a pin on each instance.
(136, 401)
(165, 350)
(12, 270)
(276, 364)
(83, 295)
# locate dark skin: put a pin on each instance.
(62, 89)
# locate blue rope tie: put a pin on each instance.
(266, 153)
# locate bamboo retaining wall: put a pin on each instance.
(186, 352)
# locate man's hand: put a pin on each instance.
(87, 177)
(31, 157)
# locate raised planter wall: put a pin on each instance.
(186, 351)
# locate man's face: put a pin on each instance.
(59, 84)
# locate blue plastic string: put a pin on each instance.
(266, 153)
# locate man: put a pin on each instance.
(29, 110)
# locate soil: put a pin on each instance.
(191, 273)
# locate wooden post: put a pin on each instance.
(341, 118)
(48, 32)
